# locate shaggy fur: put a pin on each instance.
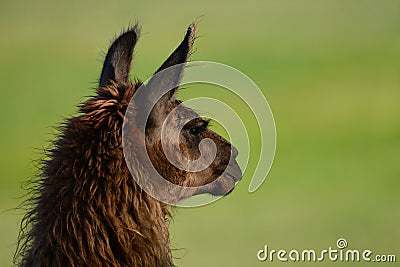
(87, 209)
(89, 212)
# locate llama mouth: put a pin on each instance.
(234, 172)
(227, 181)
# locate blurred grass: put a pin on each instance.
(329, 69)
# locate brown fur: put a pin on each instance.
(87, 209)
(90, 212)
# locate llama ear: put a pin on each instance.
(117, 63)
(181, 53)
(164, 83)
(171, 78)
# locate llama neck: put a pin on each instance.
(90, 211)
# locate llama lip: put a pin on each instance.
(233, 171)
(230, 178)
(225, 183)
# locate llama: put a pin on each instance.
(86, 208)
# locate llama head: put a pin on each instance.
(178, 144)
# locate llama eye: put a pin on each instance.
(197, 130)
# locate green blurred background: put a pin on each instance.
(329, 69)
